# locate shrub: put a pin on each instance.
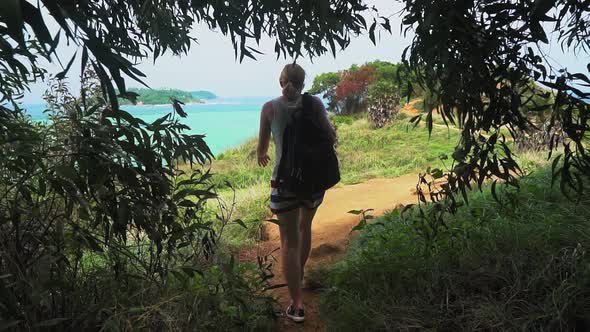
(338, 120)
(519, 264)
(384, 108)
(538, 139)
(99, 229)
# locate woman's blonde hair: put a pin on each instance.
(292, 80)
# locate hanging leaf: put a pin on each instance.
(386, 24)
(84, 61)
(32, 16)
(13, 16)
(274, 221)
(355, 212)
(51, 322)
(177, 104)
(8, 324)
(241, 223)
(55, 42)
(61, 75)
(541, 7)
(537, 32)
(360, 226)
(372, 32)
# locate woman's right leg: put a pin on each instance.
(291, 254)
(305, 219)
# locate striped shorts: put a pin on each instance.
(283, 201)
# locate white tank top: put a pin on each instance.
(282, 113)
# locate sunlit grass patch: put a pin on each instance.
(250, 206)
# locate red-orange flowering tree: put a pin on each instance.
(353, 87)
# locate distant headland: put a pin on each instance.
(163, 96)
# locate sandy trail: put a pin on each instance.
(331, 230)
(410, 108)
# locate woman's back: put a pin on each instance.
(282, 110)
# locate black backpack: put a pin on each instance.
(308, 162)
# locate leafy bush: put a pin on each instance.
(538, 139)
(384, 105)
(338, 120)
(519, 264)
(99, 229)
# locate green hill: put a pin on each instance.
(203, 94)
(163, 96)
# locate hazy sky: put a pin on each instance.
(210, 64)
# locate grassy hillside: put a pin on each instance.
(364, 153)
(520, 265)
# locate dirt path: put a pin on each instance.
(410, 108)
(331, 231)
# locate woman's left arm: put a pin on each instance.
(264, 135)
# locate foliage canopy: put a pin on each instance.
(478, 59)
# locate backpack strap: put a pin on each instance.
(307, 106)
(307, 102)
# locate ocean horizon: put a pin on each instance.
(226, 122)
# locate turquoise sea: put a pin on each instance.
(226, 122)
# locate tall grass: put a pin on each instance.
(517, 265)
(392, 151)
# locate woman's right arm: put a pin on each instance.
(264, 135)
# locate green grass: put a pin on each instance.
(364, 153)
(521, 265)
(251, 206)
(392, 151)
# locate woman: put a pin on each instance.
(295, 214)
